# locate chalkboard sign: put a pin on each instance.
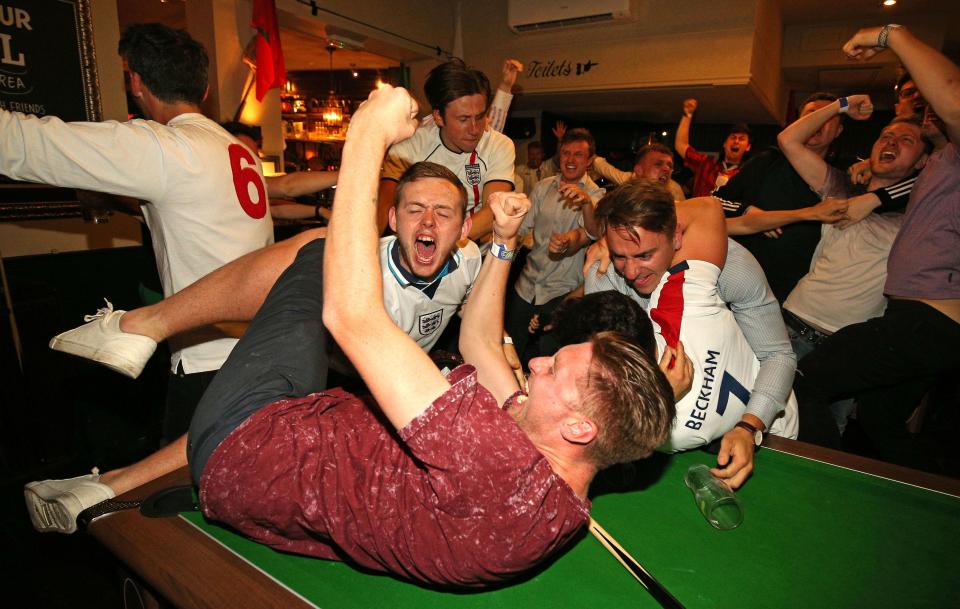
(47, 61)
(47, 67)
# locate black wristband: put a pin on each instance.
(886, 201)
(896, 196)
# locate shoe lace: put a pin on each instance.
(101, 312)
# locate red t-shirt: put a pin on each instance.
(459, 496)
(706, 170)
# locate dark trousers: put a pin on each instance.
(184, 392)
(887, 364)
(519, 312)
(283, 354)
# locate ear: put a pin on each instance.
(465, 229)
(922, 162)
(205, 93)
(578, 430)
(136, 84)
(438, 118)
(392, 217)
(678, 237)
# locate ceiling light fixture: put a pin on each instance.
(888, 2)
(334, 108)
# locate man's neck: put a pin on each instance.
(878, 182)
(165, 112)
(577, 474)
(448, 145)
(577, 181)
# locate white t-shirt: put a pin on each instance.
(847, 273)
(491, 161)
(685, 306)
(422, 313)
(205, 195)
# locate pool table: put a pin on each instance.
(821, 529)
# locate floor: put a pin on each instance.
(106, 421)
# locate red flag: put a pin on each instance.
(271, 71)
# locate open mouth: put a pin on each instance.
(425, 247)
(888, 155)
(643, 282)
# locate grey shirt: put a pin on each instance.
(744, 288)
(544, 278)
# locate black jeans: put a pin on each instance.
(887, 364)
(517, 322)
(283, 354)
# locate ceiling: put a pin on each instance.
(305, 40)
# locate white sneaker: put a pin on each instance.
(53, 505)
(102, 341)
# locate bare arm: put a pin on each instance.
(936, 76)
(300, 183)
(503, 96)
(756, 220)
(568, 243)
(810, 165)
(681, 141)
(704, 231)
(401, 377)
(385, 196)
(481, 332)
(483, 217)
(282, 209)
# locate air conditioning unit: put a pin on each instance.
(539, 15)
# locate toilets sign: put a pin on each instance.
(46, 59)
(558, 68)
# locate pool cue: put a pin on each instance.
(14, 333)
(655, 588)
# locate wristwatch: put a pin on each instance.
(844, 105)
(500, 251)
(757, 434)
(885, 33)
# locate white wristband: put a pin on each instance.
(500, 251)
(507, 340)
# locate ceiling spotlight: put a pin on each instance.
(888, 2)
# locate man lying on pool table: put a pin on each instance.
(461, 480)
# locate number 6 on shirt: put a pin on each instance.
(245, 175)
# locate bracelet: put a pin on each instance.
(500, 251)
(844, 105)
(884, 34)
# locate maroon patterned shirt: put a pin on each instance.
(706, 170)
(460, 496)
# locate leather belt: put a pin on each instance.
(808, 332)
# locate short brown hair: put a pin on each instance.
(628, 398)
(916, 121)
(452, 80)
(638, 203)
(653, 147)
(426, 169)
(579, 134)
